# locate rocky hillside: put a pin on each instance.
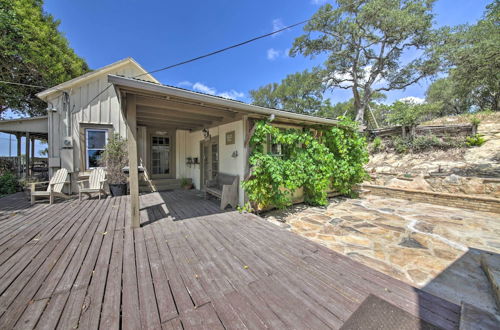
(474, 170)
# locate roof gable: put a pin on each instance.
(44, 95)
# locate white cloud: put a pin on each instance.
(232, 94)
(318, 2)
(412, 100)
(272, 54)
(185, 83)
(277, 25)
(202, 88)
(199, 87)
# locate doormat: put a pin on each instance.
(376, 313)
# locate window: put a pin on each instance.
(95, 142)
(274, 149)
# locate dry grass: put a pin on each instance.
(484, 117)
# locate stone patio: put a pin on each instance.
(428, 246)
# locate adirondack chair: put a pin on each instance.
(95, 183)
(56, 184)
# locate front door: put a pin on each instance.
(160, 155)
(210, 159)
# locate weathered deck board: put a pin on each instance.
(190, 266)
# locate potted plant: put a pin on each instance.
(186, 184)
(114, 159)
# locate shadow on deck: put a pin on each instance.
(176, 205)
(79, 264)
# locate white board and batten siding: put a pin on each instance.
(87, 108)
(188, 145)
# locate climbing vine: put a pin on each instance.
(316, 159)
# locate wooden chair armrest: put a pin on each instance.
(42, 182)
(34, 184)
(81, 183)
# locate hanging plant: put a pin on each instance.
(316, 159)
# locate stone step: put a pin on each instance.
(490, 262)
(473, 318)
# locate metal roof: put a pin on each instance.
(167, 90)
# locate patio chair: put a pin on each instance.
(56, 184)
(95, 183)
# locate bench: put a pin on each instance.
(224, 187)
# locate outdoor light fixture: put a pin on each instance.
(271, 117)
(206, 134)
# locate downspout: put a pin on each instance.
(66, 109)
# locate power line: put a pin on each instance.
(207, 55)
(20, 84)
(224, 49)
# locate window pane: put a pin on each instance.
(96, 139)
(94, 157)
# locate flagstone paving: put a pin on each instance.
(428, 246)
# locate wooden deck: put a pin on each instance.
(79, 265)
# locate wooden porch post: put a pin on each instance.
(132, 159)
(18, 136)
(32, 157)
(27, 154)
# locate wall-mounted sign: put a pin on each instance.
(230, 137)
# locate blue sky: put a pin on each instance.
(160, 33)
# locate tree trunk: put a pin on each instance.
(360, 114)
(360, 110)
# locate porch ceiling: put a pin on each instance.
(192, 110)
(182, 114)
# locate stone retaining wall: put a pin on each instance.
(485, 204)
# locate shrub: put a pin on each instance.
(476, 140)
(115, 158)
(425, 143)
(376, 145)
(475, 120)
(6, 165)
(8, 184)
(401, 145)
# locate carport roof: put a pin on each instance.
(36, 126)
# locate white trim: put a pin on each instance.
(87, 164)
(43, 95)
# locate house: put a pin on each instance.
(177, 133)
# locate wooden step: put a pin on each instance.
(490, 262)
(473, 318)
(162, 184)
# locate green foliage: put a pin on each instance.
(473, 54)
(315, 159)
(246, 208)
(443, 94)
(425, 143)
(184, 182)
(476, 140)
(475, 121)
(376, 145)
(115, 158)
(406, 113)
(301, 92)
(8, 184)
(365, 41)
(32, 51)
